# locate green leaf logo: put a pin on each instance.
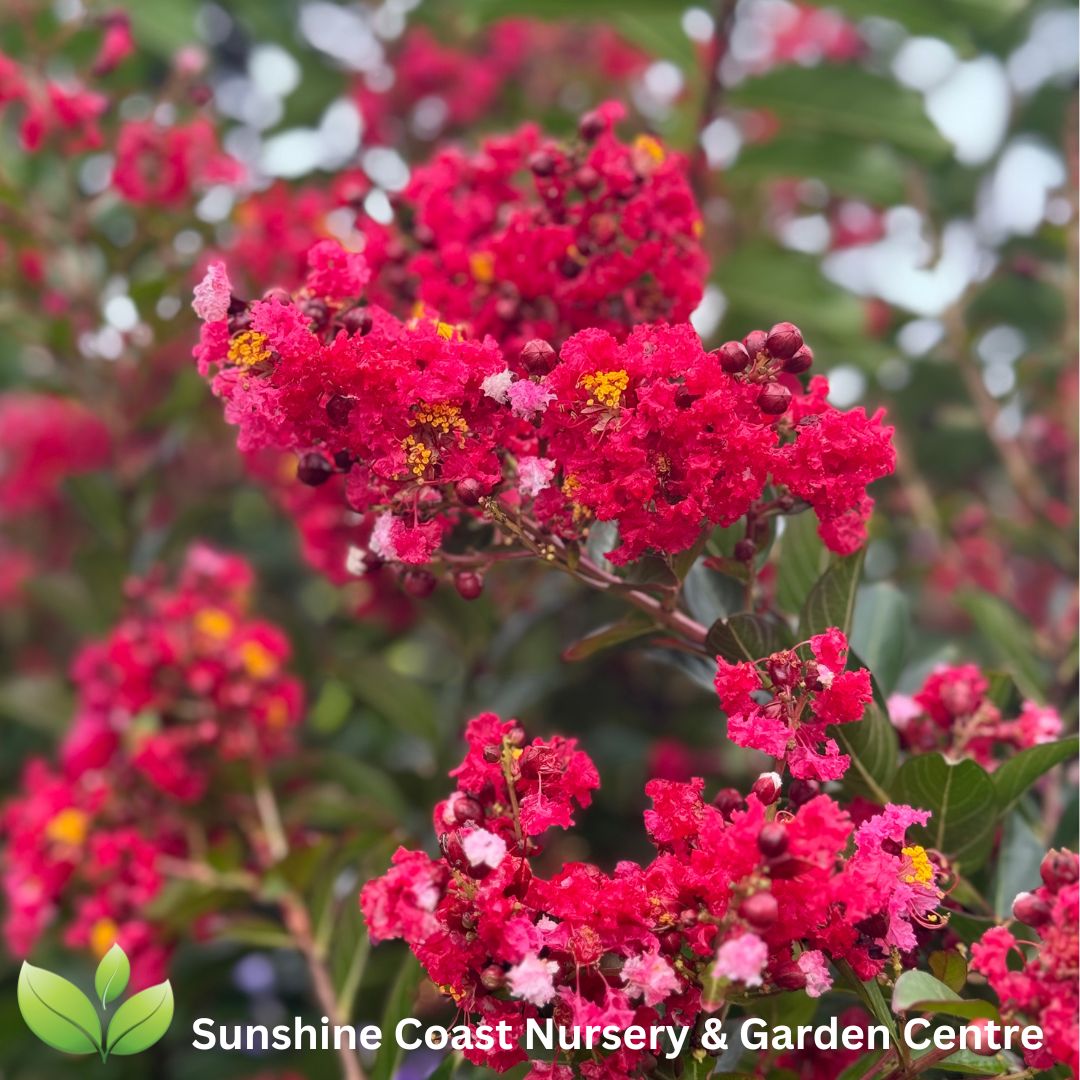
(63, 1017)
(141, 1020)
(58, 1012)
(112, 975)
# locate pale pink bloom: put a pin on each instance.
(650, 977)
(528, 398)
(534, 475)
(483, 848)
(213, 293)
(903, 708)
(742, 959)
(533, 979)
(818, 980)
(497, 386)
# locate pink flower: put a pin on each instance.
(528, 398)
(741, 959)
(818, 980)
(534, 475)
(213, 294)
(532, 980)
(483, 848)
(334, 272)
(650, 977)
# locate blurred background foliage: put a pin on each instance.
(897, 178)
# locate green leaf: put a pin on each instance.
(58, 1012)
(918, 991)
(747, 637)
(111, 977)
(1017, 864)
(398, 1005)
(710, 595)
(844, 100)
(851, 167)
(141, 1021)
(351, 947)
(1011, 638)
(950, 967)
(1016, 775)
(634, 625)
(871, 996)
(448, 1066)
(971, 1064)
(961, 800)
(872, 745)
(803, 559)
(255, 930)
(831, 602)
(881, 631)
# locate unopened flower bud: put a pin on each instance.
(516, 736)
(357, 320)
(538, 356)
(542, 163)
(419, 584)
(727, 801)
(591, 126)
(787, 976)
(784, 340)
(468, 491)
(469, 584)
(277, 294)
(492, 977)
(466, 808)
(801, 792)
(314, 469)
(772, 841)
(774, 398)
(745, 550)
(760, 910)
(338, 409)
(586, 179)
(1030, 909)
(492, 753)
(733, 357)
(754, 343)
(800, 361)
(1059, 868)
(977, 1038)
(767, 788)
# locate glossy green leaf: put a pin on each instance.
(141, 1021)
(881, 631)
(872, 745)
(918, 991)
(634, 625)
(1011, 638)
(845, 100)
(710, 595)
(962, 803)
(803, 559)
(1017, 864)
(1015, 776)
(398, 1006)
(950, 967)
(112, 975)
(747, 637)
(58, 1012)
(831, 602)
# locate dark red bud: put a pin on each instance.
(977, 1038)
(754, 342)
(733, 357)
(1030, 909)
(591, 126)
(774, 398)
(801, 792)
(671, 941)
(338, 409)
(570, 268)
(542, 163)
(784, 340)
(492, 753)
(727, 801)
(314, 469)
(788, 977)
(772, 841)
(745, 550)
(468, 491)
(767, 788)
(1059, 868)
(469, 584)
(586, 179)
(760, 910)
(492, 978)
(357, 320)
(538, 356)
(279, 294)
(516, 736)
(466, 808)
(799, 362)
(418, 583)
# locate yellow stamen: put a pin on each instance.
(607, 387)
(214, 623)
(921, 870)
(277, 713)
(650, 147)
(103, 936)
(68, 827)
(482, 267)
(257, 659)
(249, 348)
(417, 456)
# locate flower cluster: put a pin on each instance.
(954, 713)
(186, 681)
(426, 421)
(739, 898)
(1038, 984)
(535, 238)
(805, 696)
